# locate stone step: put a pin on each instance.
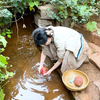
(94, 54)
(93, 90)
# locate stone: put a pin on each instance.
(95, 18)
(88, 35)
(93, 89)
(43, 11)
(36, 18)
(92, 92)
(58, 23)
(66, 22)
(83, 31)
(42, 22)
(95, 38)
(94, 54)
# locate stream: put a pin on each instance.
(27, 83)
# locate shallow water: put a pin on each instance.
(27, 83)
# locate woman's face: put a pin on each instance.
(48, 41)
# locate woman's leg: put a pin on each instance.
(70, 62)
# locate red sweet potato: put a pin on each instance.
(44, 70)
(78, 81)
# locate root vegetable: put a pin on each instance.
(78, 81)
(44, 70)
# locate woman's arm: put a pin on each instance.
(54, 67)
(42, 59)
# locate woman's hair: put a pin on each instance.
(40, 37)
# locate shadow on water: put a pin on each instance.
(27, 83)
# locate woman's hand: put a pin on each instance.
(48, 73)
(43, 56)
(53, 68)
(39, 69)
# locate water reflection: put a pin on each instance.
(27, 83)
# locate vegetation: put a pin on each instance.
(5, 16)
(1, 94)
(92, 26)
(9, 8)
(79, 10)
(4, 74)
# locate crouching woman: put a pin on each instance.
(64, 45)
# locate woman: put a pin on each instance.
(65, 45)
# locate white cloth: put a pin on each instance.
(66, 39)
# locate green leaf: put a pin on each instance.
(3, 33)
(11, 74)
(36, 3)
(31, 8)
(2, 75)
(2, 50)
(91, 26)
(2, 65)
(94, 24)
(98, 32)
(6, 21)
(1, 94)
(8, 32)
(3, 40)
(1, 81)
(6, 76)
(9, 36)
(15, 4)
(31, 4)
(19, 10)
(3, 59)
(68, 2)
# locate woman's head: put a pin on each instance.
(40, 36)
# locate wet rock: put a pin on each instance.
(94, 54)
(89, 36)
(66, 22)
(40, 22)
(43, 11)
(41, 17)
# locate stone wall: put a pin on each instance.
(92, 37)
(42, 19)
